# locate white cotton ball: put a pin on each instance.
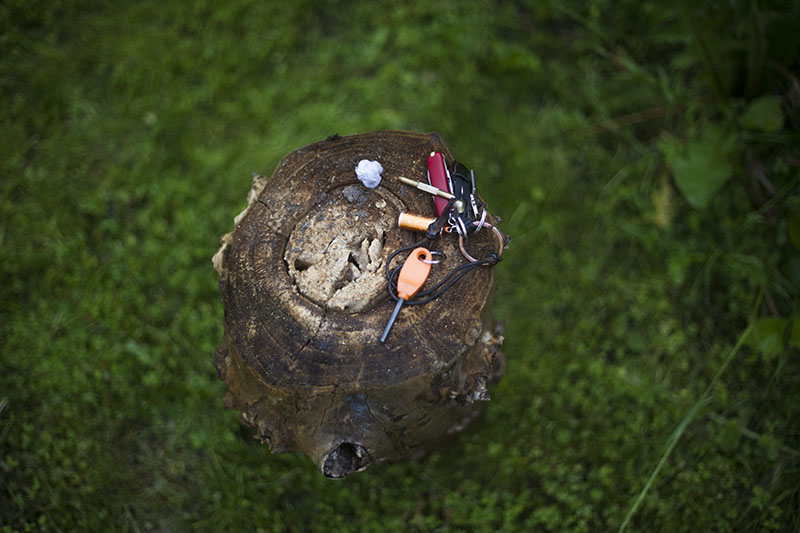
(369, 173)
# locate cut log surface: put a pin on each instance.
(305, 299)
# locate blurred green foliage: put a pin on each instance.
(643, 155)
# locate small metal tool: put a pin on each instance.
(463, 187)
(425, 187)
(412, 277)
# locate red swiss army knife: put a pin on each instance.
(439, 177)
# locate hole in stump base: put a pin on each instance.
(344, 460)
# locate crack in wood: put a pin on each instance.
(310, 338)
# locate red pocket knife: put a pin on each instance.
(439, 177)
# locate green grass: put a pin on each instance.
(644, 159)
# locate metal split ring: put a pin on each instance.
(460, 227)
(430, 262)
(481, 222)
(500, 242)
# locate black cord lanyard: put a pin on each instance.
(448, 281)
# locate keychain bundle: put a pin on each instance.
(461, 211)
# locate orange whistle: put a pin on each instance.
(412, 277)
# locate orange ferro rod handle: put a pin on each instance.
(414, 273)
(412, 277)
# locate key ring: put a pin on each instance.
(481, 222)
(500, 242)
(430, 262)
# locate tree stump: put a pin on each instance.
(305, 300)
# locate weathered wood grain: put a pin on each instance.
(305, 301)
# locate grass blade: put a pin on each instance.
(676, 435)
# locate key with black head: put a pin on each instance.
(463, 188)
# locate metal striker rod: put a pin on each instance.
(392, 318)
